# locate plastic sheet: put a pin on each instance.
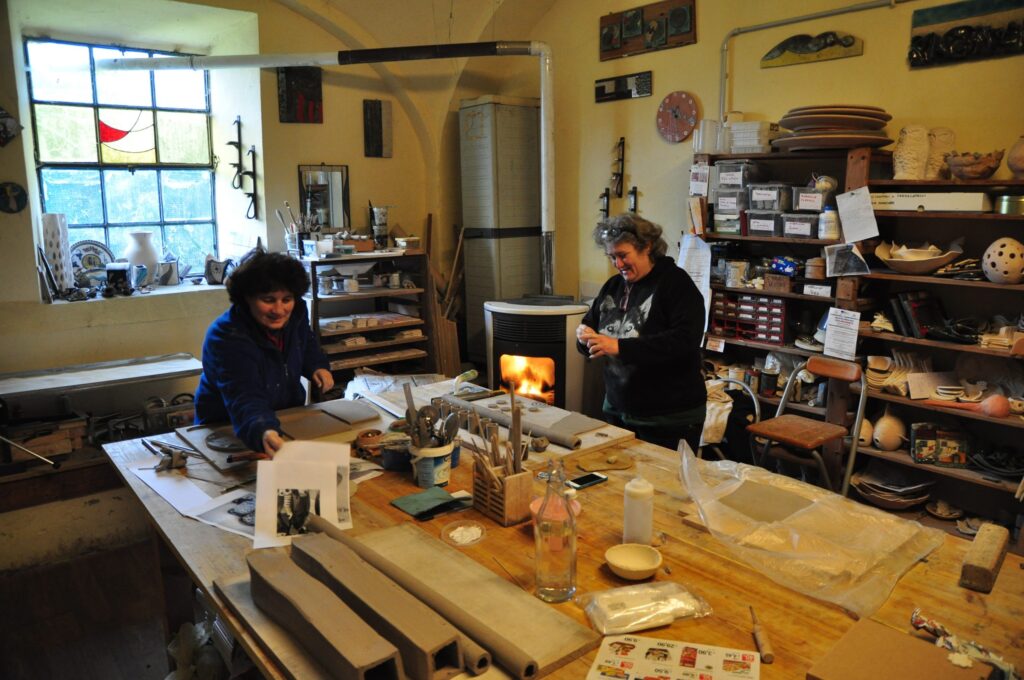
(806, 538)
(647, 605)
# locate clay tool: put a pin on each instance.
(764, 645)
(252, 455)
(280, 218)
(290, 213)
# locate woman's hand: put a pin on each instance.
(323, 379)
(584, 333)
(602, 345)
(272, 441)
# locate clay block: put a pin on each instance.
(429, 645)
(983, 559)
(329, 630)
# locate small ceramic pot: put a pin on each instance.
(1015, 158)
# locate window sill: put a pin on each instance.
(184, 288)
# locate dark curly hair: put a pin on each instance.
(633, 229)
(262, 272)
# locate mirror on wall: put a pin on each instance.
(323, 195)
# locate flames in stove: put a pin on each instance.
(533, 377)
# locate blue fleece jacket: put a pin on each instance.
(246, 378)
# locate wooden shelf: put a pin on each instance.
(369, 293)
(816, 154)
(902, 457)
(791, 405)
(713, 236)
(940, 215)
(880, 274)
(785, 349)
(866, 332)
(949, 185)
(375, 359)
(345, 349)
(368, 329)
(1009, 421)
(774, 293)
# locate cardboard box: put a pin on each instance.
(936, 445)
(953, 201)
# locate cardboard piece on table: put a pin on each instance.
(984, 558)
(596, 461)
(763, 502)
(873, 650)
(351, 412)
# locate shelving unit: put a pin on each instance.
(381, 346)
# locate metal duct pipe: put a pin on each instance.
(410, 53)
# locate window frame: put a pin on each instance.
(100, 166)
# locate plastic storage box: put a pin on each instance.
(764, 223)
(809, 199)
(771, 196)
(731, 201)
(736, 174)
(799, 225)
(728, 224)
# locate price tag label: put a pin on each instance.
(716, 344)
(813, 289)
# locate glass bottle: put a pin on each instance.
(554, 533)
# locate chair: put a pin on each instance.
(797, 438)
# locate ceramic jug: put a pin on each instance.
(141, 251)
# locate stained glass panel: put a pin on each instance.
(183, 137)
(131, 196)
(76, 193)
(180, 89)
(59, 72)
(65, 134)
(127, 136)
(120, 238)
(126, 88)
(187, 195)
(191, 243)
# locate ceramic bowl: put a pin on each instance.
(633, 561)
(889, 253)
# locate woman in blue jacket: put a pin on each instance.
(256, 351)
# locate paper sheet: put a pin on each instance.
(844, 260)
(287, 493)
(313, 452)
(841, 333)
(631, 656)
(699, 174)
(173, 487)
(857, 215)
(229, 512)
(695, 259)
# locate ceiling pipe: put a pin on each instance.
(411, 53)
(724, 64)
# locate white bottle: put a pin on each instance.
(828, 224)
(638, 514)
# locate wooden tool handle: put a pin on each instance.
(764, 645)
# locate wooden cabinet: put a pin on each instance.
(377, 325)
(976, 491)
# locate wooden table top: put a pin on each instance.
(802, 629)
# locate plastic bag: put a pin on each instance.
(648, 605)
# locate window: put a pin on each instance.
(123, 151)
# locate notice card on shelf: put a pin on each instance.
(841, 333)
(695, 259)
(857, 215)
(630, 656)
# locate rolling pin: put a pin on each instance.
(764, 645)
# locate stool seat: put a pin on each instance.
(798, 431)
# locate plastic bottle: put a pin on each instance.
(554, 533)
(638, 514)
(828, 224)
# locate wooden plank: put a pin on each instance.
(94, 376)
(456, 582)
(983, 560)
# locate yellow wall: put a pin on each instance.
(981, 101)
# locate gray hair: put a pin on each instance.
(633, 229)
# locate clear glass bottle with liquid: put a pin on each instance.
(554, 533)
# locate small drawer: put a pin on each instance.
(773, 196)
(809, 199)
(736, 173)
(764, 223)
(799, 225)
(727, 224)
(731, 201)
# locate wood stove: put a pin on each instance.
(531, 342)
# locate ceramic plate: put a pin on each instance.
(90, 255)
(812, 121)
(840, 111)
(830, 141)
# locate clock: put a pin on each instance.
(677, 116)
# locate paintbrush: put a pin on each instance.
(280, 218)
(290, 213)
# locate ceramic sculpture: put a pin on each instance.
(140, 250)
(974, 165)
(910, 157)
(889, 432)
(940, 142)
(1015, 158)
(1003, 261)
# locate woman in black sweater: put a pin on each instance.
(649, 321)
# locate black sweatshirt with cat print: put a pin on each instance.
(659, 321)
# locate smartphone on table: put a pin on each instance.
(590, 479)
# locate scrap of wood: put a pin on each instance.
(429, 645)
(329, 630)
(984, 558)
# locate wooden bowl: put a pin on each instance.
(633, 561)
(919, 267)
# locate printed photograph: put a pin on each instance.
(294, 508)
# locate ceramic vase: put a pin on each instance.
(941, 141)
(889, 432)
(910, 157)
(1015, 159)
(141, 251)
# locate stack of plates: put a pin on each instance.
(833, 126)
(892, 488)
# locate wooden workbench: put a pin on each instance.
(802, 629)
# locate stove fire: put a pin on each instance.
(533, 377)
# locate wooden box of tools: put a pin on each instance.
(508, 502)
(48, 438)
